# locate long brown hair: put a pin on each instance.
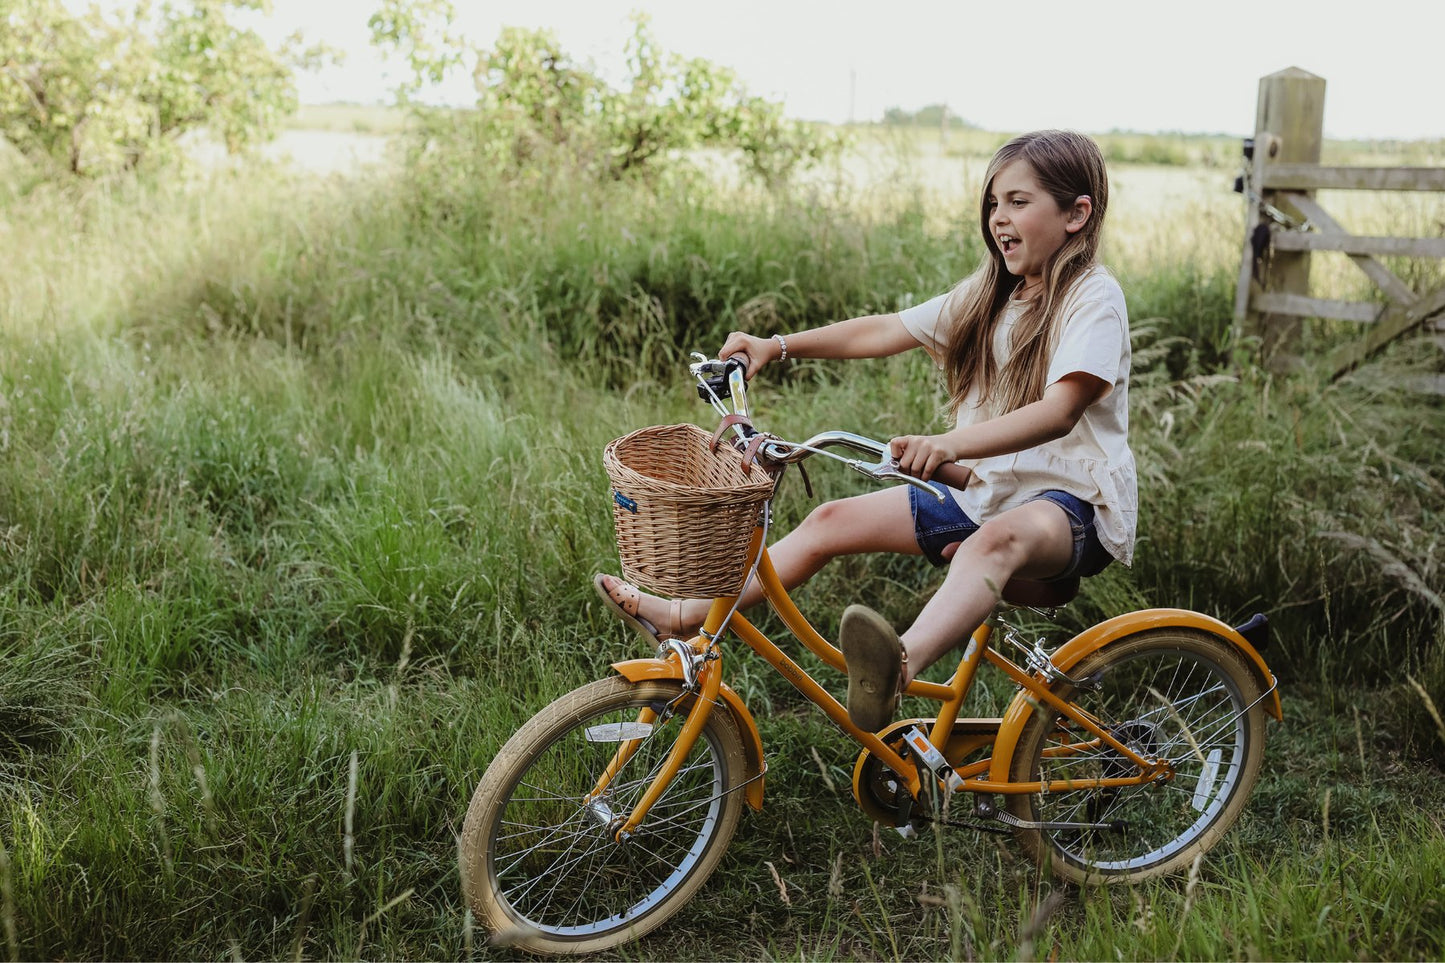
(1067, 166)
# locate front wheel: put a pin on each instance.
(1174, 693)
(540, 862)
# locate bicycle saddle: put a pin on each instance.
(1040, 595)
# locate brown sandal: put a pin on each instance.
(623, 600)
(876, 660)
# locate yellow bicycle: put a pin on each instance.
(1125, 752)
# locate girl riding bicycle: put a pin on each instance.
(1034, 349)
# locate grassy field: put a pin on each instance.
(301, 493)
(350, 118)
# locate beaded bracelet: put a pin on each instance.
(783, 347)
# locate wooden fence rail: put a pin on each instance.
(1284, 224)
(1309, 177)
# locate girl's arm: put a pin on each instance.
(872, 336)
(1052, 416)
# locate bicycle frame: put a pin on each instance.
(990, 775)
(606, 813)
(700, 669)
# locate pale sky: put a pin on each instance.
(1091, 65)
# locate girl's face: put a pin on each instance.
(1026, 223)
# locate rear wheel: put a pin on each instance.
(540, 862)
(1177, 694)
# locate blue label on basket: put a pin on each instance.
(624, 501)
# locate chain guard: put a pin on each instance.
(884, 797)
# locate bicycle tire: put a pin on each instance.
(540, 868)
(1157, 690)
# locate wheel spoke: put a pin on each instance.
(1178, 696)
(545, 853)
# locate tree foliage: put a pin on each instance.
(533, 99)
(421, 31)
(90, 94)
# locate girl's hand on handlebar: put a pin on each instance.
(758, 351)
(922, 455)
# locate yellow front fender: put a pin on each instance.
(1072, 652)
(640, 670)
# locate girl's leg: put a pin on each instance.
(879, 521)
(1034, 540)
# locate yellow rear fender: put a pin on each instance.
(642, 670)
(1091, 640)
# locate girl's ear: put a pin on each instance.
(1079, 214)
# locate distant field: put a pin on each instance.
(1168, 193)
(350, 118)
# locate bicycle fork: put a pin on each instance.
(705, 681)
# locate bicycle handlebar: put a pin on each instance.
(725, 379)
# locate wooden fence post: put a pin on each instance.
(1288, 129)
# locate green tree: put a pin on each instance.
(533, 99)
(676, 103)
(88, 94)
(531, 94)
(422, 32)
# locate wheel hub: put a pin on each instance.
(599, 813)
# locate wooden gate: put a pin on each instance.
(1284, 223)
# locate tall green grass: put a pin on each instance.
(300, 493)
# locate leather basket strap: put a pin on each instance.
(727, 422)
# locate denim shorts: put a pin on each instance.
(938, 524)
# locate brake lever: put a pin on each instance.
(887, 469)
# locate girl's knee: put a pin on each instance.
(997, 539)
(822, 525)
(1017, 540)
(829, 513)
(848, 525)
(990, 544)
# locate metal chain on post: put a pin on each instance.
(1243, 184)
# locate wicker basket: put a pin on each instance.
(684, 514)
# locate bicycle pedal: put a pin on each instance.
(933, 759)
